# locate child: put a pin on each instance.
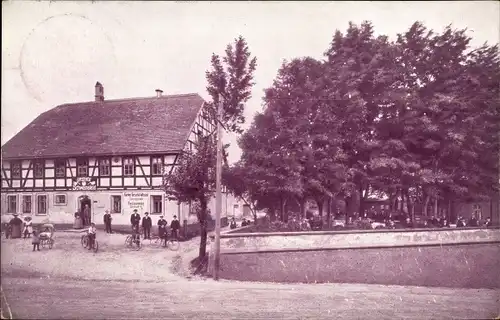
(36, 240)
(28, 229)
(92, 233)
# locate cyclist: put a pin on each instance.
(162, 229)
(136, 233)
(92, 235)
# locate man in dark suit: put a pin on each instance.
(146, 226)
(86, 215)
(107, 221)
(135, 218)
(175, 226)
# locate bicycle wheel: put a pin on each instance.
(43, 243)
(128, 241)
(173, 244)
(138, 245)
(84, 241)
(96, 246)
(51, 243)
(155, 240)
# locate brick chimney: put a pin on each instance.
(99, 92)
(158, 93)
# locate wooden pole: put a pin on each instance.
(218, 195)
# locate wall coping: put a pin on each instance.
(357, 247)
(312, 233)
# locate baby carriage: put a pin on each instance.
(47, 235)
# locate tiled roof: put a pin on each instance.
(126, 126)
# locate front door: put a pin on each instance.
(86, 210)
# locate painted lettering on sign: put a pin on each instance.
(84, 184)
(136, 200)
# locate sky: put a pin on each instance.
(54, 52)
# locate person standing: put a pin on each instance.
(28, 229)
(16, 227)
(86, 215)
(175, 225)
(146, 225)
(78, 224)
(107, 221)
(36, 240)
(472, 221)
(135, 219)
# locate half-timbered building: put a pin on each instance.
(107, 154)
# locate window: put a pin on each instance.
(26, 204)
(41, 204)
(82, 168)
(16, 170)
(156, 166)
(157, 204)
(476, 209)
(60, 199)
(104, 167)
(39, 169)
(116, 204)
(11, 204)
(60, 168)
(128, 166)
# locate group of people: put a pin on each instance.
(147, 224)
(136, 223)
(17, 228)
(234, 225)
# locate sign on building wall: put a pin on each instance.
(136, 200)
(84, 184)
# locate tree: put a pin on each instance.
(452, 98)
(232, 80)
(266, 167)
(194, 181)
(297, 98)
(361, 84)
(194, 178)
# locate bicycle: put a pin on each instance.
(169, 241)
(129, 242)
(85, 242)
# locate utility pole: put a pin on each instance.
(218, 195)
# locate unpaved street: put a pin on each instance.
(38, 286)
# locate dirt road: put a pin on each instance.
(73, 299)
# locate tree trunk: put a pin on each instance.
(409, 204)
(302, 205)
(361, 202)
(448, 210)
(284, 214)
(203, 230)
(349, 211)
(436, 206)
(282, 209)
(426, 205)
(320, 202)
(392, 202)
(329, 212)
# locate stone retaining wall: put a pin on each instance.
(467, 258)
